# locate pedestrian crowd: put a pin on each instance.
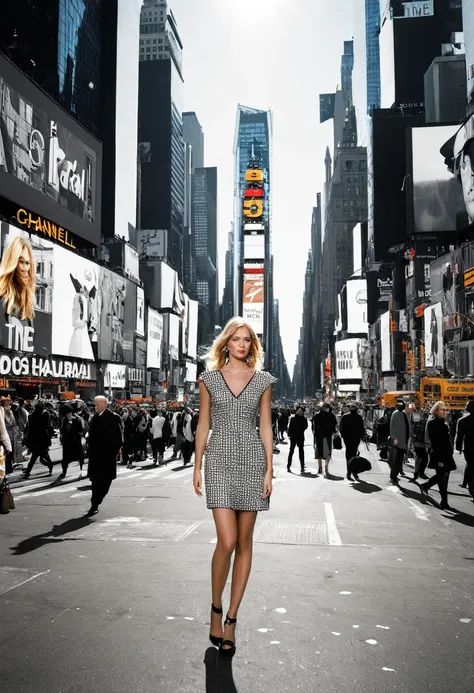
(109, 436)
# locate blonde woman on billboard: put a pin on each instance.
(17, 290)
(239, 462)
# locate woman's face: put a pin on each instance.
(467, 180)
(240, 343)
(23, 268)
(441, 411)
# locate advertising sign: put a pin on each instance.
(446, 288)
(193, 329)
(386, 342)
(253, 209)
(357, 306)
(433, 317)
(140, 312)
(437, 194)
(468, 28)
(417, 9)
(254, 174)
(39, 367)
(254, 247)
(152, 244)
(347, 360)
(39, 151)
(26, 291)
(253, 296)
(155, 339)
(115, 376)
(130, 262)
(174, 324)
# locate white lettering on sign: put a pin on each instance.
(61, 171)
(417, 8)
(20, 337)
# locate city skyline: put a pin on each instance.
(217, 38)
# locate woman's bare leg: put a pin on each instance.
(242, 565)
(226, 528)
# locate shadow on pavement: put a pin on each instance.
(332, 477)
(54, 535)
(366, 487)
(219, 676)
(461, 518)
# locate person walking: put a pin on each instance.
(128, 428)
(158, 441)
(104, 442)
(296, 431)
(283, 424)
(142, 427)
(441, 454)
(6, 442)
(352, 431)
(400, 435)
(71, 432)
(12, 458)
(418, 439)
(188, 435)
(239, 462)
(38, 438)
(464, 441)
(324, 425)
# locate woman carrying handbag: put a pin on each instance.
(6, 498)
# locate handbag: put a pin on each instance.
(359, 464)
(337, 442)
(6, 498)
(383, 453)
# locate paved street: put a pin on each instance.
(355, 587)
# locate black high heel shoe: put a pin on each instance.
(213, 638)
(228, 651)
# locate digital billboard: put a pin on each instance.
(115, 376)
(254, 175)
(193, 309)
(253, 296)
(437, 195)
(357, 306)
(433, 318)
(253, 209)
(254, 247)
(386, 343)
(48, 163)
(347, 360)
(155, 339)
(26, 286)
(173, 337)
(140, 327)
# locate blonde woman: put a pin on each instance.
(17, 280)
(239, 462)
(441, 453)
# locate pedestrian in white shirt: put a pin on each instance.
(158, 439)
(188, 436)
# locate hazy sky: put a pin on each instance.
(278, 54)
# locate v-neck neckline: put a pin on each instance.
(242, 390)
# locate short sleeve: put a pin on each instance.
(268, 379)
(205, 379)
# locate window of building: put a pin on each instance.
(154, 49)
(148, 49)
(141, 42)
(154, 40)
(362, 165)
(148, 57)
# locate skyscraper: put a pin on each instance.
(194, 158)
(161, 127)
(372, 25)
(252, 150)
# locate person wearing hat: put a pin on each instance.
(71, 433)
(458, 153)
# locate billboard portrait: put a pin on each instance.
(115, 376)
(437, 196)
(26, 291)
(446, 283)
(155, 339)
(347, 360)
(140, 328)
(253, 296)
(38, 150)
(433, 329)
(111, 300)
(76, 317)
(357, 306)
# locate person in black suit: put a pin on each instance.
(104, 442)
(441, 454)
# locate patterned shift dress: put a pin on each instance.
(235, 461)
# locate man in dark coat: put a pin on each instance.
(71, 433)
(324, 424)
(400, 436)
(352, 432)
(296, 431)
(465, 442)
(105, 441)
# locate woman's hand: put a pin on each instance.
(197, 482)
(267, 486)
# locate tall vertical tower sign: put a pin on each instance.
(253, 295)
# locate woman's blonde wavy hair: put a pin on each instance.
(15, 295)
(217, 356)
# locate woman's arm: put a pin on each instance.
(202, 434)
(4, 437)
(266, 434)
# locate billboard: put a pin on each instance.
(42, 149)
(253, 296)
(155, 339)
(437, 195)
(254, 247)
(152, 244)
(386, 343)
(173, 341)
(114, 376)
(254, 175)
(253, 209)
(433, 332)
(468, 28)
(347, 360)
(193, 309)
(130, 262)
(326, 107)
(140, 326)
(446, 280)
(357, 306)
